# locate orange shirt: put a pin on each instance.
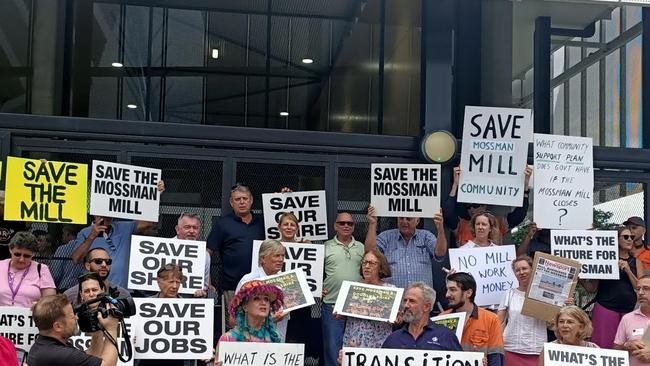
(644, 257)
(482, 332)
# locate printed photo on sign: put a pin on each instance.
(597, 251)
(310, 207)
(454, 322)
(263, 354)
(563, 355)
(493, 155)
(491, 267)
(295, 289)
(149, 254)
(365, 301)
(305, 256)
(564, 182)
(46, 191)
(16, 324)
(179, 329)
(125, 191)
(405, 190)
(82, 342)
(409, 357)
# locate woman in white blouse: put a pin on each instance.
(523, 336)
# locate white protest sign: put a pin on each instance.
(263, 354)
(179, 329)
(149, 254)
(310, 207)
(493, 155)
(409, 357)
(82, 342)
(563, 355)
(295, 288)
(16, 324)
(124, 191)
(564, 182)
(361, 300)
(405, 190)
(308, 257)
(597, 251)
(454, 322)
(491, 267)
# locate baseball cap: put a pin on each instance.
(634, 220)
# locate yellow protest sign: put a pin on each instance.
(50, 191)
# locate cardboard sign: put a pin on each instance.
(310, 207)
(149, 254)
(491, 268)
(564, 182)
(50, 191)
(454, 322)
(493, 155)
(16, 324)
(263, 354)
(179, 329)
(125, 191)
(82, 342)
(597, 251)
(409, 357)
(365, 301)
(553, 280)
(563, 355)
(309, 257)
(405, 190)
(295, 288)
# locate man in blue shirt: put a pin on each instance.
(232, 237)
(410, 251)
(420, 332)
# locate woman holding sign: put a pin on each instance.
(614, 298)
(572, 328)
(363, 332)
(523, 336)
(484, 231)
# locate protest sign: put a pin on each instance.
(493, 155)
(597, 251)
(46, 191)
(564, 182)
(263, 354)
(552, 282)
(365, 301)
(454, 322)
(173, 328)
(295, 288)
(310, 207)
(16, 324)
(409, 357)
(556, 354)
(405, 190)
(125, 191)
(149, 254)
(82, 342)
(308, 257)
(491, 268)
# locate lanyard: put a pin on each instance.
(10, 279)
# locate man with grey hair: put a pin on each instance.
(420, 332)
(271, 261)
(188, 227)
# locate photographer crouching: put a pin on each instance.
(57, 322)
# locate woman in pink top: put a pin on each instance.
(22, 280)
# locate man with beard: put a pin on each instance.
(97, 260)
(57, 322)
(420, 332)
(482, 332)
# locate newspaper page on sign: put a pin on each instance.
(551, 282)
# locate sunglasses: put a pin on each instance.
(628, 237)
(24, 255)
(345, 223)
(99, 261)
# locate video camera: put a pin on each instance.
(122, 308)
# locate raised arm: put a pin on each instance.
(441, 242)
(371, 236)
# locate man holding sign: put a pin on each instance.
(410, 251)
